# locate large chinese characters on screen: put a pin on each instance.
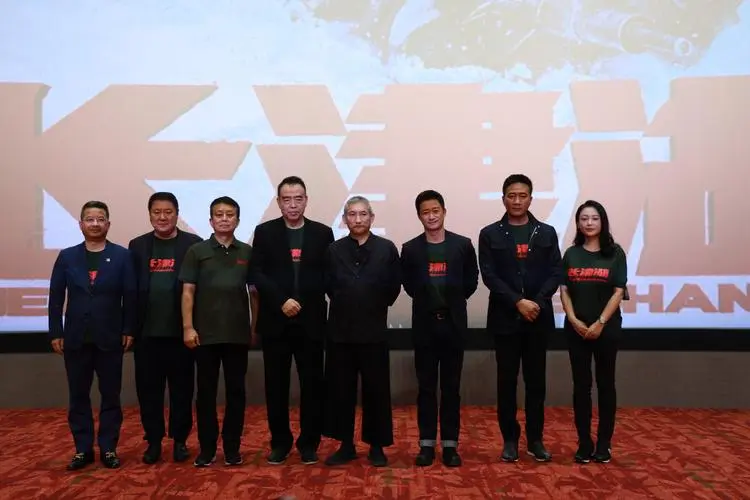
(457, 139)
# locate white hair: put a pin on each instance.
(358, 199)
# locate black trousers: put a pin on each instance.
(603, 351)
(440, 353)
(278, 351)
(80, 366)
(526, 349)
(209, 358)
(344, 363)
(162, 362)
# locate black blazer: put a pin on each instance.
(141, 249)
(461, 282)
(507, 281)
(272, 273)
(106, 308)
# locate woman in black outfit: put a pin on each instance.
(595, 284)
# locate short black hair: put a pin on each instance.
(95, 204)
(224, 200)
(292, 180)
(428, 195)
(517, 179)
(163, 196)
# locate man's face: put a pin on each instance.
(292, 201)
(163, 217)
(358, 219)
(517, 199)
(224, 219)
(94, 224)
(432, 215)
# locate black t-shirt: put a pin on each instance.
(438, 273)
(162, 319)
(296, 236)
(591, 280)
(521, 235)
(92, 261)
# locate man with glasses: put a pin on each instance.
(97, 281)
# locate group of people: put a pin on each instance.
(188, 307)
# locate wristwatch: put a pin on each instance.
(601, 320)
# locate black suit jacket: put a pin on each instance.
(141, 249)
(272, 273)
(508, 282)
(461, 282)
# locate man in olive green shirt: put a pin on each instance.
(216, 323)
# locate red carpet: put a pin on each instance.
(670, 454)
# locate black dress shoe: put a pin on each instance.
(426, 456)
(377, 457)
(110, 460)
(81, 460)
(152, 453)
(451, 458)
(539, 452)
(180, 453)
(510, 452)
(344, 455)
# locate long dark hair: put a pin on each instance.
(607, 243)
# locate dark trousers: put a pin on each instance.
(439, 352)
(80, 366)
(233, 359)
(162, 362)
(344, 363)
(604, 353)
(278, 350)
(526, 349)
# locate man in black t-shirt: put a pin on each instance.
(161, 357)
(287, 268)
(439, 272)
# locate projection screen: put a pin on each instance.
(642, 105)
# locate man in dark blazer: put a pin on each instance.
(439, 272)
(520, 262)
(98, 281)
(287, 269)
(362, 281)
(161, 356)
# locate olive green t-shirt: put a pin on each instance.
(438, 273)
(221, 311)
(591, 280)
(162, 319)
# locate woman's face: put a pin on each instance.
(589, 222)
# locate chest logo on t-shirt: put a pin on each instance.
(522, 250)
(296, 254)
(438, 269)
(161, 265)
(92, 276)
(583, 274)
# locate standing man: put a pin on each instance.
(97, 280)
(216, 323)
(440, 273)
(161, 356)
(520, 261)
(362, 281)
(288, 272)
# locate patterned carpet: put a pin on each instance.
(666, 454)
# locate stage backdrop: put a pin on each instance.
(641, 105)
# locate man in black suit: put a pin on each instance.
(439, 272)
(97, 279)
(287, 269)
(161, 357)
(520, 262)
(362, 280)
